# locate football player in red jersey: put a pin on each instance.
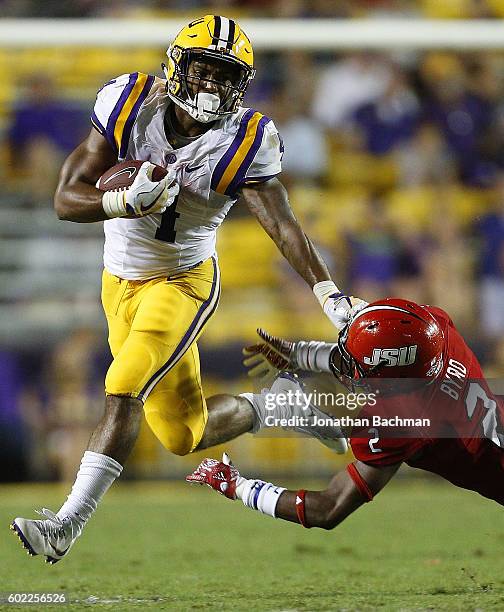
(425, 374)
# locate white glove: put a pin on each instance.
(339, 307)
(143, 197)
(357, 306)
(342, 308)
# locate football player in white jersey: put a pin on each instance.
(161, 276)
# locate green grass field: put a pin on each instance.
(418, 546)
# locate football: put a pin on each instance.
(122, 175)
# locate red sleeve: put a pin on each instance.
(385, 451)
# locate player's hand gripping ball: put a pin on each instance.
(137, 188)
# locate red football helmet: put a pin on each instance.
(390, 339)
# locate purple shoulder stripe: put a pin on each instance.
(114, 115)
(249, 158)
(224, 161)
(128, 126)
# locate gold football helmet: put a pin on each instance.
(209, 40)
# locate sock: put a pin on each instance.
(96, 474)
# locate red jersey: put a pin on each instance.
(458, 431)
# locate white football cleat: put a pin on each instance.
(52, 536)
(288, 387)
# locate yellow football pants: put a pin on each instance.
(153, 328)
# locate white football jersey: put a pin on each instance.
(240, 149)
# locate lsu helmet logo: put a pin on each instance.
(404, 356)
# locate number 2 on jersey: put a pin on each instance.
(491, 427)
(372, 441)
(166, 231)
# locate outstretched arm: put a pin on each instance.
(327, 509)
(269, 203)
(347, 491)
(267, 358)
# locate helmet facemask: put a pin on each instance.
(348, 371)
(189, 79)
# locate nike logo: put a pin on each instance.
(59, 553)
(129, 171)
(187, 169)
(142, 207)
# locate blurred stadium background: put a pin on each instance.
(394, 163)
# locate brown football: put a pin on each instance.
(122, 175)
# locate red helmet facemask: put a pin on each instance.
(392, 346)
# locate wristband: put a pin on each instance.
(323, 290)
(300, 507)
(260, 495)
(114, 203)
(359, 482)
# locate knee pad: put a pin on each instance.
(174, 435)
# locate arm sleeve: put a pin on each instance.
(116, 108)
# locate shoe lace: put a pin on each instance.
(55, 526)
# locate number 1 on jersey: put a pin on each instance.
(166, 231)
